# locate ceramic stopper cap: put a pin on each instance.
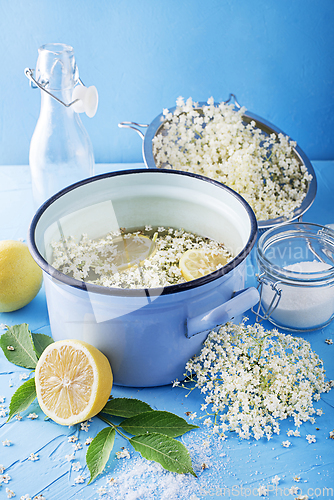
(87, 100)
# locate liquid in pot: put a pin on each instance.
(146, 257)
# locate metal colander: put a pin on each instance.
(157, 126)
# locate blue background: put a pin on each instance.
(276, 56)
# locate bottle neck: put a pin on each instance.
(54, 108)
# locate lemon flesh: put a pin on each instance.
(73, 381)
(132, 250)
(198, 262)
(20, 276)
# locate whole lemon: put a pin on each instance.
(20, 276)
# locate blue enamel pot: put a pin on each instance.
(147, 334)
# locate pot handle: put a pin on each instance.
(238, 304)
(134, 126)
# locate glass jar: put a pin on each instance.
(296, 276)
(61, 152)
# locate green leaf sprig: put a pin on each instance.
(151, 432)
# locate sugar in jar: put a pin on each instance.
(296, 276)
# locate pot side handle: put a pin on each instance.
(134, 126)
(238, 304)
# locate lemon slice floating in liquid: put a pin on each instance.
(73, 381)
(132, 250)
(198, 262)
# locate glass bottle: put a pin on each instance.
(61, 152)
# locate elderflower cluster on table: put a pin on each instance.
(215, 141)
(252, 378)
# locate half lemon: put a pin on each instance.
(132, 250)
(73, 381)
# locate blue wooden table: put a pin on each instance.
(231, 469)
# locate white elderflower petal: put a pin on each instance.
(159, 269)
(76, 466)
(79, 479)
(252, 378)
(84, 426)
(262, 490)
(72, 439)
(32, 416)
(102, 490)
(219, 145)
(124, 453)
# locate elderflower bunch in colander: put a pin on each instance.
(217, 142)
(252, 378)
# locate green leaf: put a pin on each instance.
(125, 407)
(41, 341)
(169, 452)
(22, 398)
(99, 451)
(162, 422)
(18, 346)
